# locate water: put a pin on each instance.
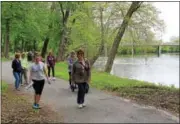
(161, 70)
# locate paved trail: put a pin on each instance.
(101, 107)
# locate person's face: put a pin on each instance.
(50, 54)
(38, 59)
(80, 55)
(23, 56)
(73, 55)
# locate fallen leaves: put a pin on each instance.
(18, 109)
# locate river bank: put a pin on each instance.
(148, 93)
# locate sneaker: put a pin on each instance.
(54, 78)
(17, 89)
(36, 106)
(80, 106)
(84, 105)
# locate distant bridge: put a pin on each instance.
(158, 45)
(153, 44)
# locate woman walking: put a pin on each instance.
(24, 63)
(81, 75)
(70, 61)
(50, 64)
(16, 65)
(38, 75)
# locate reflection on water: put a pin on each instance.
(163, 69)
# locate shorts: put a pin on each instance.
(38, 86)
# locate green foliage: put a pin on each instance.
(34, 21)
(4, 86)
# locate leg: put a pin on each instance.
(70, 78)
(53, 71)
(48, 71)
(80, 94)
(41, 87)
(25, 76)
(83, 91)
(38, 87)
(21, 77)
(16, 79)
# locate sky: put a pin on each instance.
(170, 15)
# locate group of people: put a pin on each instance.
(78, 69)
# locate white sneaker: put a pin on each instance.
(80, 106)
(84, 105)
(54, 78)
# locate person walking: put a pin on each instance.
(51, 64)
(24, 64)
(81, 74)
(70, 61)
(38, 75)
(17, 68)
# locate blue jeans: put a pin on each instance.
(17, 79)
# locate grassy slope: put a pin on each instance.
(143, 92)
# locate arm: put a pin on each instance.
(30, 75)
(89, 72)
(73, 74)
(44, 69)
(47, 60)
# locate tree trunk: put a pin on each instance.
(6, 51)
(101, 47)
(63, 42)
(46, 41)
(134, 6)
(45, 45)
(62, 46)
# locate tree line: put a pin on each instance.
(66, 26)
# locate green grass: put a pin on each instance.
(4, 59)
(4, 86)
(164, 97)
(102, 80)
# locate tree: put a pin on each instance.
(134, 6)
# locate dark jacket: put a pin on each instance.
(81, 73)
(16, 66)
(51, 60)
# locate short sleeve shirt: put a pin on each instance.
(37, 71)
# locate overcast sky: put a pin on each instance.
(170, 15)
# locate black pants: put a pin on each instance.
(38, 86)
(49, 69)
(70, 78)
(81, 93)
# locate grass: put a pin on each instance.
(165, 97)
(4, 87)
(4, 59)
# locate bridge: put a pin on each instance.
(152, 44)
(158, 45)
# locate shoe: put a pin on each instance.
(80, 106)
(54, 78)
(38, 106)
(35, 106)
(17, 89)
(84, 105)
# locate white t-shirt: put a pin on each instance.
(37, 71)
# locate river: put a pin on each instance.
(161, 70)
